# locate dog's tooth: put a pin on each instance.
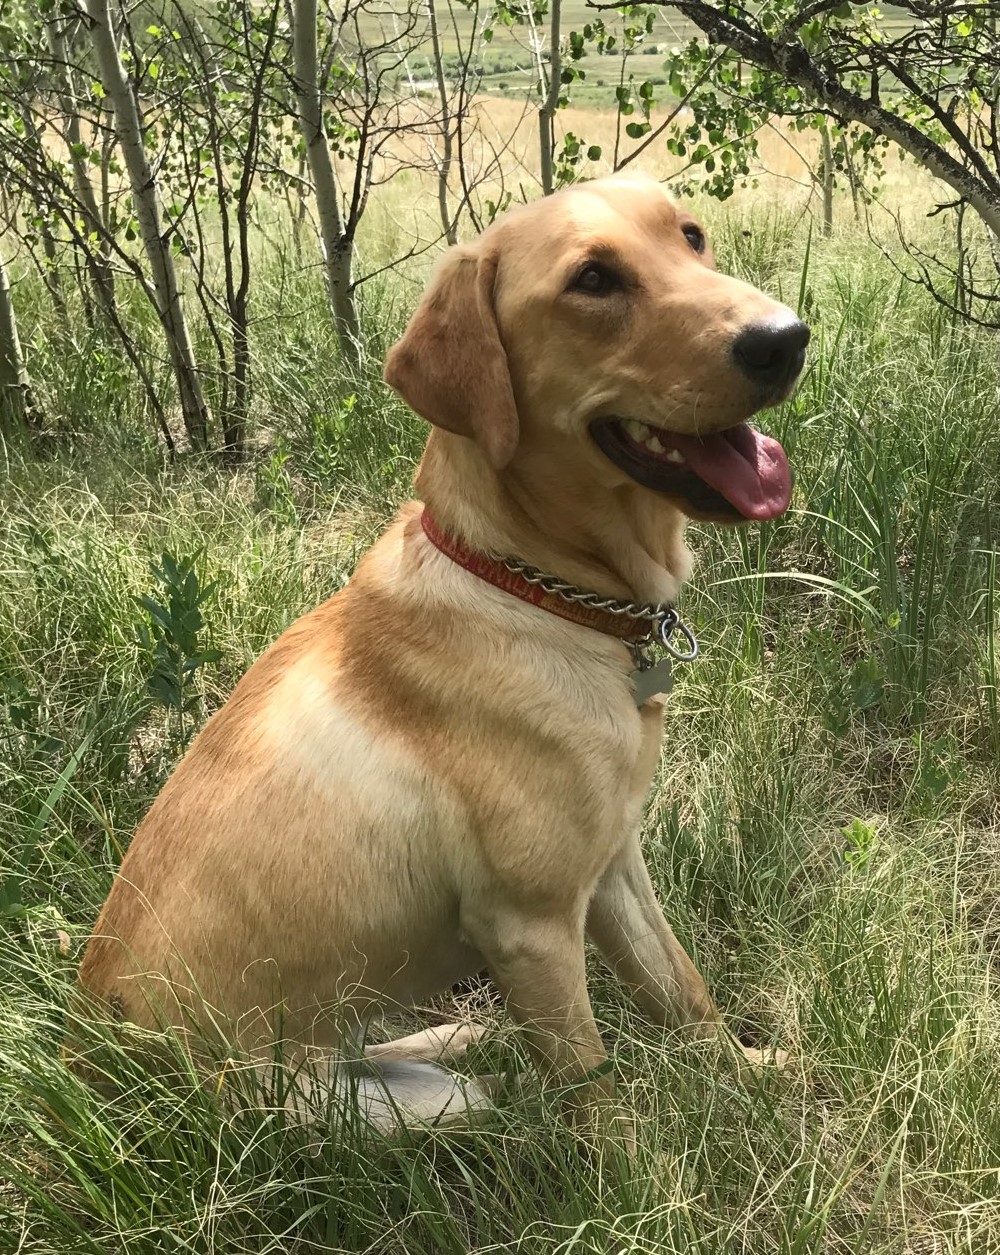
(636, 429)
(654, 445)
(675, 455)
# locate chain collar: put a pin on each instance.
(642, 626)
(663, 619)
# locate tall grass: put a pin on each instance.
(823, 831)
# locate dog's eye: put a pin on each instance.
(695, 236)
(596, 280)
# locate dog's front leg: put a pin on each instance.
(627, 923)
(537, 960)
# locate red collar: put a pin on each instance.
(495, 572)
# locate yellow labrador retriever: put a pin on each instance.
(443, 767)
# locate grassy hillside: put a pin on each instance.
(510, 60)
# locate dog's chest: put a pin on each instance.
(600, 752)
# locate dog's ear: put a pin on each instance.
(450, 365)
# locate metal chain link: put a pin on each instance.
(662, 618)
(578, 596)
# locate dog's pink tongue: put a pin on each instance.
(748, 468)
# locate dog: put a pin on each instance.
(442, 769)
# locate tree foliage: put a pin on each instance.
(142, 147)
(925, 78)
(145, 148)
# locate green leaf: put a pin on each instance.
(862, 842)
(866, 684)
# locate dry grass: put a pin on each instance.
(822, 834)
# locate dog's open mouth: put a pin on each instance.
(739, 472)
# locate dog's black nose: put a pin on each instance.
(772, 353)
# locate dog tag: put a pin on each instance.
(654, 680)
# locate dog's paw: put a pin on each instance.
(605, 1129)
(769, 1057)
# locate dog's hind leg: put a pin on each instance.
(388, 1094)
(445, 1044)
(413, 1092)
(400, 1084)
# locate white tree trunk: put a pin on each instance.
(550, 103)
(337, 247)
(146, 203)
(14, 386)
(101, 272)
(448, 226)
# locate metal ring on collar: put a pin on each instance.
(666, 628)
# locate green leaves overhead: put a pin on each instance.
(934, 66)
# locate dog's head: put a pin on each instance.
(590, 332)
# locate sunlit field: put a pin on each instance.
(823, 833)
